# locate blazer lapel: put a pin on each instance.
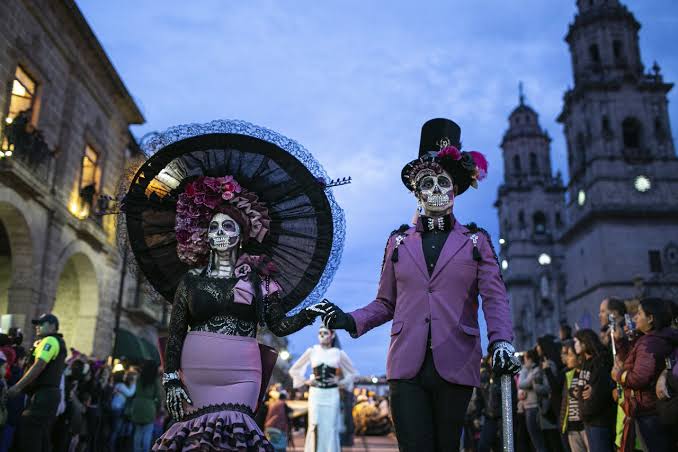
(455, 241)
(413, 246)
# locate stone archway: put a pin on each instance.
(17, 278)
(77, 302)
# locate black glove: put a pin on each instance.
(504, 359)
(336, 319)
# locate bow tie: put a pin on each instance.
(443, 223)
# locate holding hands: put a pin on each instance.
(336, 319)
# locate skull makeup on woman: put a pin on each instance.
(331, 371)
(244, 258)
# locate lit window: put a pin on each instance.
(90, 175)
(23, 94)
(544, 259)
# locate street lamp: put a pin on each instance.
(544, 259)
(285, 355)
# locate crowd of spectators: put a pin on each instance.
(605, 390)
(100, 409)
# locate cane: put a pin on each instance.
(507, 412)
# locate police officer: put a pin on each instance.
(41, 384)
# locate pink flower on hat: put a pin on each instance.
(449, 151)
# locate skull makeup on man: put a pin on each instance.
(432, 275)
(435, 192)
(232, 271)
(331, 370)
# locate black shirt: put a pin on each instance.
(433, 239)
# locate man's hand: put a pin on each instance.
(586, 393)
(320, 308)
(504, 359)
(175, 396)
(336, 319)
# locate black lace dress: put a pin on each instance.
(212, 342)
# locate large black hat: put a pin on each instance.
(305, 226)
(439, 148)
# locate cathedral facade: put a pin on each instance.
(612, 228)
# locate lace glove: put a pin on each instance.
(336, 319)
(504, 359)
(175, 395)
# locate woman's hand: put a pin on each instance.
(175, 397)
(617, 369)
(662, 388)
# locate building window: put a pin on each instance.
(617, 51)
(521, 220)
(516, 163)
(559, 220)
(594, 54)
(632, 130)
(655, 261)
(534, 167)
(22, 95)
(607, 130)
(90, 176)
(539, 223)
(22, 100)
(659, 130)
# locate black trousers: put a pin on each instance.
(428, 412)
(35, 423)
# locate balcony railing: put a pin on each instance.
(23, 151)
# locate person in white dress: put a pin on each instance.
(331, 368)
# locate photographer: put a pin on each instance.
(637, 369)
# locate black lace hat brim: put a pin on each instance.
(301, 231)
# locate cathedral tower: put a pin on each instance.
(622, 203)
(531, 210)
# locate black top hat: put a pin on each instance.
(437, 134)
(441, 134)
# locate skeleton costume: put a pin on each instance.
(233, 224)
(432, 276)
(331, 368)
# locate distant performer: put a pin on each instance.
(331, 368)
(431, 278)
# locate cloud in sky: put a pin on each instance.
(353, 81)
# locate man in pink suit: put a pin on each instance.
(430, 282)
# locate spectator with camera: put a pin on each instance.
(638, 366)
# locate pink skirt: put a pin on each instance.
(222, 375)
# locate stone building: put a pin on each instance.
(66, 148)
(613, 230)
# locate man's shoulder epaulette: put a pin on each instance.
(400, 230)
(474, 230)
(399, 235)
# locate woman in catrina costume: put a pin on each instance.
(235, 226)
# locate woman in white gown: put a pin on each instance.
(331, 368)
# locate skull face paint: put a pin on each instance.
(223, 233)
(435, 192)
(325, 336)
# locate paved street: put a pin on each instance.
(362, 443)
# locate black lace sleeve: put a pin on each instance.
(178, 327)
(281, 325)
